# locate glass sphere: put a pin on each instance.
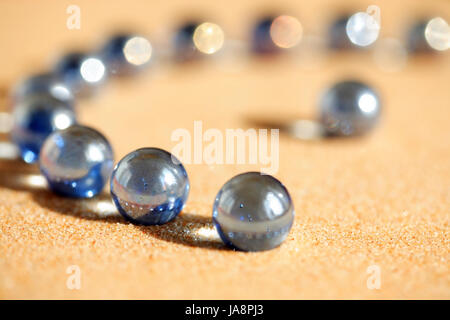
(208, 38)
(81, 73)
(77, 162)
(183, 42)
(45, 83)
(34, 118)
(362, 29)
(149, 186)
(261, 38)
(337, 34)
(253, 212)
(349, 108)
(125, 54)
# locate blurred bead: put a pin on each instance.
(77, 162)
(416, 38)
(81, 73)
(208, 38)
(34, 118)
(437, 34)
(45, 83)
(349, 108)
(184, 47)
(253, 212)
(362, 29)
(149, 186)
(337, 33)
(126, 54)
(286, 31)
(262, 42)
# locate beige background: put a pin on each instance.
(382, 200)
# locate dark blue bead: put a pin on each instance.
(416, 41)
(113, 55)
(77, 161)
(70, 70)
(183, 42)
(36, 117)
(261, 39)
(337, 34)
(45, 83)
(149, 186)
(253, 212)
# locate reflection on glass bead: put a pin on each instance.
(184, 47)
(208, 38)
(77, 162)
(34, 118)
(45, 83)
(362, 29)
(81, 73)
(149, 186)
(262, 42)
(349, 108)
(437, 34)
(125, 54)
(253, 212)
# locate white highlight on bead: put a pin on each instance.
(437, 34)
(286, 31)
(208, 38)
(362, 29)
(94, 153)
(367, 103)
(92, 70)
(62, 121)
(61, 92)
(138, 51)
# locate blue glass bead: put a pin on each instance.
(45, 83)
(149, 186)
(77, 162)
(81, 73)
(253, 212)
(261, 39)
(35, 117)
(337, 34)
(416, 41)
(115, 56)
(183, 42)
(349, 108)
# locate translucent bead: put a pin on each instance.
(34, 118)
(261, 39)
(362, 29)
(208, 38)
(81, 73)
(253, 212)
(77, 162)
(349, 108)
(45, 83)
(125, 54)
(149, 186)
